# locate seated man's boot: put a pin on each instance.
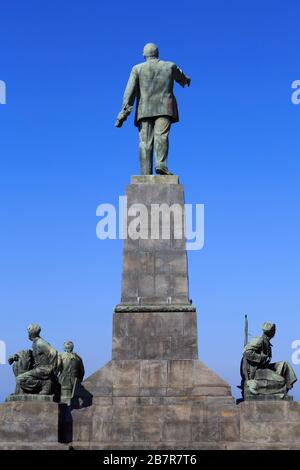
(46, 388)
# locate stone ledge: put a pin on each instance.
(268, 398)
(120, 308)
(30, 398)
(154, 179)
(18, 445)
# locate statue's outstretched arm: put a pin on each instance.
(181, 78)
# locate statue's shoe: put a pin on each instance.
(163, 171)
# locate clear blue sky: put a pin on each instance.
(236, 150)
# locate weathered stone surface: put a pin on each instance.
(154, 374)
(31, 421)
(155, 335)
(267, 421)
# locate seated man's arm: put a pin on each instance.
(254, 353)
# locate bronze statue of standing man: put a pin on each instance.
(151, 85)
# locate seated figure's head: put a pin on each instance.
(269, 329)
(68, 346)
(33, 331)
(150, 50)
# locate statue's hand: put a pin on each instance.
(118, 123)
(13, 359)
(188, 81)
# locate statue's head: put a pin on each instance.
(150, 50)
(33, 331)
(269, 329)
(68, 346)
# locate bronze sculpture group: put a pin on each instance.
(43, 370)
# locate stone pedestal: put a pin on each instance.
(270, 423)
(154, 393)
(31, 422)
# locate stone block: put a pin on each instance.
(179, 413)
(178, 263)
(130, 288)
(121, 431)
(162, 285)
(125, 347)
(153, 374)
(126, 391)
(262, 422)
(126, 374)
(146, 431)
(146, 285)
(180, 285)
(31, 421)
(229, 430)
(205, 431)
(172, 431)
(120, 325)
(181, 374)
(149, 413)
(154, 392)
(102, 431)
(184, 347)
(293, 411)
(156, 335)
(124, 412)
(154, 347)
(189, 324)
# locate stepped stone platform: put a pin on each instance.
(154, 393)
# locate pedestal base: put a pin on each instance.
(31, 422)
(152, 404)
(273, 423)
